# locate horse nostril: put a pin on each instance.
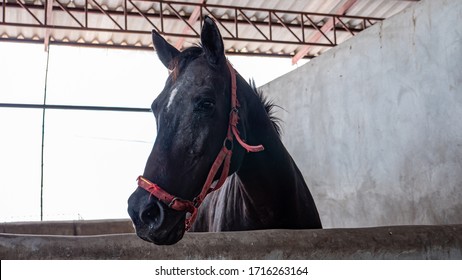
(153, 216)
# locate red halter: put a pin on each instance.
(223, 158)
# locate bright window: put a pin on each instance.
(91, 158)
(20, 143)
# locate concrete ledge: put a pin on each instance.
(398, 242)
(89, 227)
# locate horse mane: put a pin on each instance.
(191, 53)
(269, 107)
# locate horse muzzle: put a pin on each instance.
(153, 221)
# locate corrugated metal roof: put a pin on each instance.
(248, 27)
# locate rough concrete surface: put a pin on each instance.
(89, 227)
(399, 242)
(375, 123)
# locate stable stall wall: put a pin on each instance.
(375, 124)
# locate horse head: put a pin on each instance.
(193, 115)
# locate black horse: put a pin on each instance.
(200, 148)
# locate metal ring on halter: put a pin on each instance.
(173, 201)
(228, 144)
(196, 202)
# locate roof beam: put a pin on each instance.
(65, 9)
(99, 7)
(3, 10)
(340, 10)
(193, 18)
(233, 27)
(48, 22)
(26, 8)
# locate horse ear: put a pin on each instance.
(212, 43)
(165, 51)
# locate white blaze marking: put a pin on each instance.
(172, 96)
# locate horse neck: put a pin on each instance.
(272, 170)
(259, 129)
(271, 181)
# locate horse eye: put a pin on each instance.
(205, 106)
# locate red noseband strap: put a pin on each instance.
(172, 201)
(223, 158)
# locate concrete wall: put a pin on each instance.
(403, 242)
(376, 124)
(90, 227)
